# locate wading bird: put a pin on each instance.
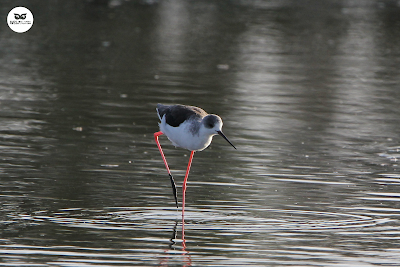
(187, 127)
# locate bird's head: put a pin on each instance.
(213, 125)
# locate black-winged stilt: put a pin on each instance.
(187, 127)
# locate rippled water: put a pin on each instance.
(309, 94)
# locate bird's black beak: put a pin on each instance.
(222, 134)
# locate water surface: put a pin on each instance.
(309, 94)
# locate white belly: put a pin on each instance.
(182, 136)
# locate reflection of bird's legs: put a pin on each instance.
(164, 260)
(173, 237)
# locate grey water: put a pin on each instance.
(309, 92)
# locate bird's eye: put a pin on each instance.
(210, 125)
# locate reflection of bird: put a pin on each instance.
(187, 127)
(20, 16)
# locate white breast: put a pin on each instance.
(183, 136)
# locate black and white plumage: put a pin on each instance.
(189, 127)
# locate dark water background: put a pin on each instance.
(310, 95)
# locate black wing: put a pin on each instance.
(176, 114)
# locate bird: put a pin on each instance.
(188, 127)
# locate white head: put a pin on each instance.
(213, 126)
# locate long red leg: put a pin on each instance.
(184, 193)
(156, 135)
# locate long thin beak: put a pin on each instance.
(222, 134)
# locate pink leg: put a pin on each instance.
(184, 193)
(156, 135)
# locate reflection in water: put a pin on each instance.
(173, 237)
(186, 261)
(307, 89)
(147, 232)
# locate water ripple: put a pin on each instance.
(219, 218)
(150, 235)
